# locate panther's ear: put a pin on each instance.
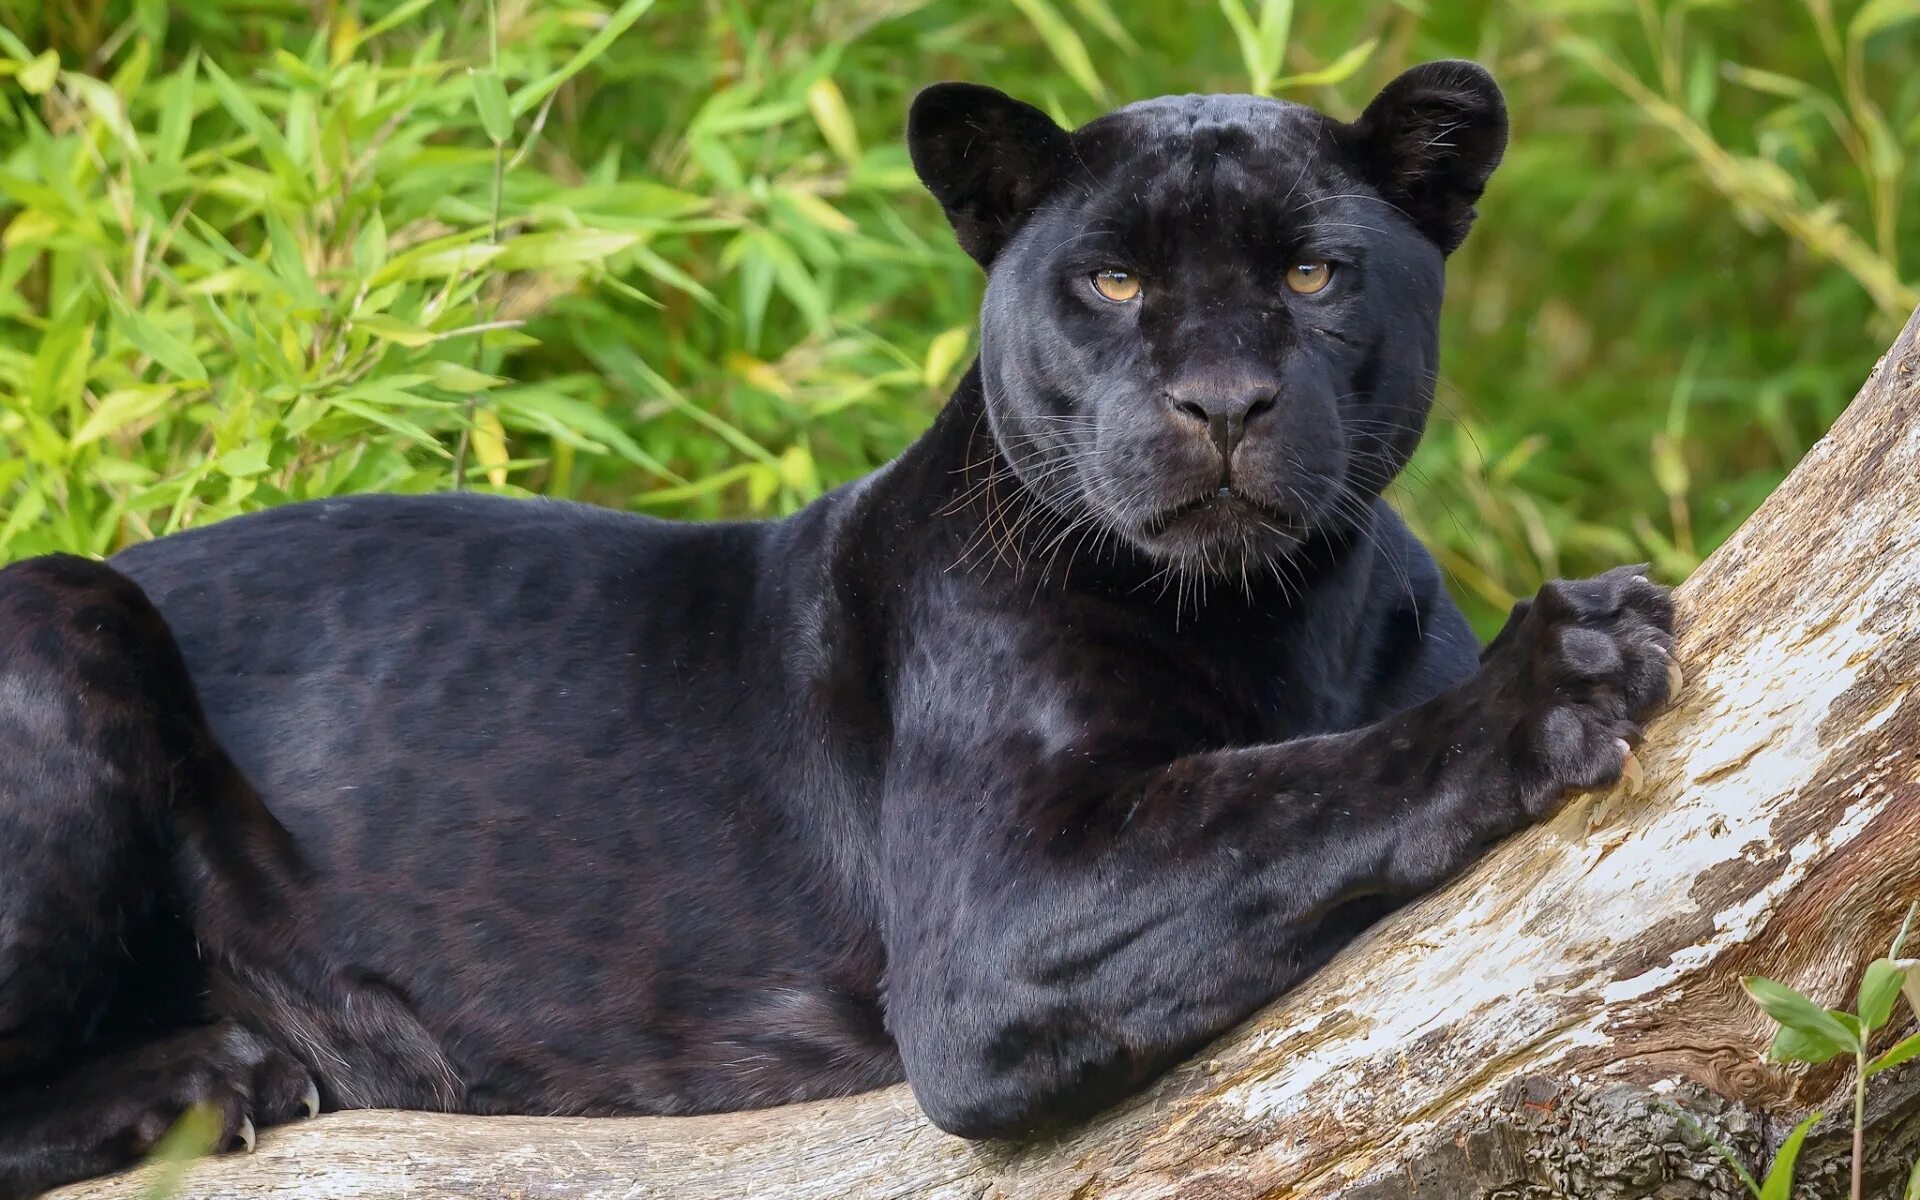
(986, 157)
(1430, 140)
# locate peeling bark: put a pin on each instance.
(1526, 1034)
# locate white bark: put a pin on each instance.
(1502, 1038)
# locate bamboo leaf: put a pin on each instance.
(1878, 16)
(244, 461)
(567, 247)
(1879, 988)
(490, 98)
(1904, 1050)
(490, 446)
(1064, 44)
(1779, 1181)
(241, 108)
(121, 408)
(1101, 16)
(174, 355)
(176, 113)
(1334, 73)
(943, 354)
(622, 19)
(1797, 1045)
(1247, 35)
(393, 329)
(1795, 1011)
(830, 113)
(37, 76)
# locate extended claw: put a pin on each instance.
(1676, 678)
(1631, 778)
(246, 1134)
(311, 1100)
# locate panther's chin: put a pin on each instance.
(1223, 528)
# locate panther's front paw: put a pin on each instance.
(1581, 665)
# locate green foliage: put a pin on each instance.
(194, 1135)
(1811, 1034)
(671, 254)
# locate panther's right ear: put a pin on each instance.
(1430, 140)
(986, 157)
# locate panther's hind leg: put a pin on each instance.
(117, 809)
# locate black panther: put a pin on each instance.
(1017, 769)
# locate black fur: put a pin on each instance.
(1016, 769)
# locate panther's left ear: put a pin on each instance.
(1430, 140)
(986, 157)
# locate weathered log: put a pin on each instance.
(1524, 1034)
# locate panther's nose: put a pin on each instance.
(1226, 412)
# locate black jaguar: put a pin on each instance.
(1016, 769)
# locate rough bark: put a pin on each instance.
(1522, 1035)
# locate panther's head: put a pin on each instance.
(1211, 322)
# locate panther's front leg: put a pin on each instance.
(1057, 933)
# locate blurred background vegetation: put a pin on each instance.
(669, 255)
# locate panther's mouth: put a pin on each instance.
(1226, 506)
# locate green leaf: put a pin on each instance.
(1795, 1011)
(29, 509)
(38, 76)
(121, 408)
(393, 329)
(622, 19)
(831, 114)
(244, 461)
(1779, 1182)
(797, 284)
(176, 114)
(1101, 16)
(1878, 16)
(671, 275)
(1903, 1051)
(370, 246)
(393, 20)
(437, 260)
(60, 365)
(578, 417)
(1794, 1045)
(490, 98)
(943, 354)
(1064, 44)
(456, 378)
(1263, 45)
(1244, 32)
(400, 425)
(565, 247)
(1906, 927)
(816, 211)
(290, 263)
(162, 347)
(194, 1135)
(1334, 73)
(1771, 82)
(1879, 988)
(241, 108)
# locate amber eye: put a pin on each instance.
(1306, 278)
(1117, 286)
